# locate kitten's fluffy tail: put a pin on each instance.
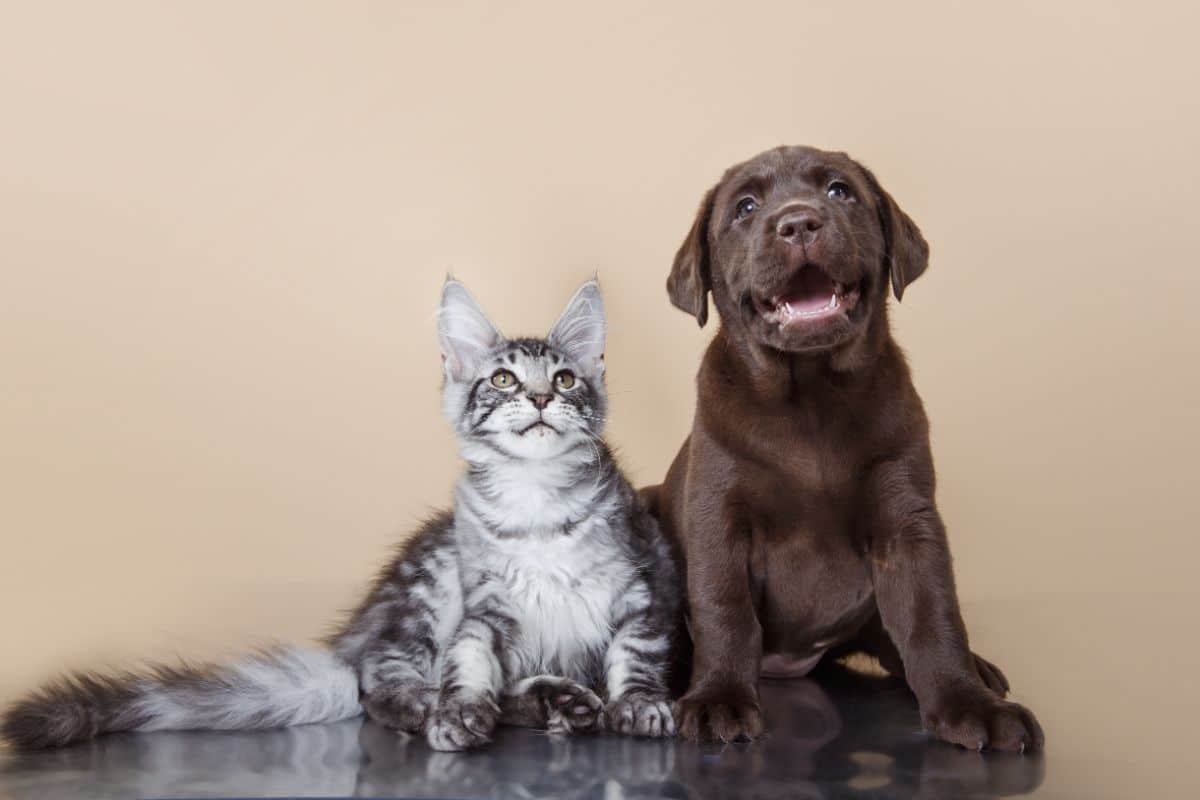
(272, 689)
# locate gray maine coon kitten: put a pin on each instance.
(547, 597)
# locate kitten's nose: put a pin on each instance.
(540, 399)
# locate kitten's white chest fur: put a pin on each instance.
(545, 535)
(562, 589)
(532, 497)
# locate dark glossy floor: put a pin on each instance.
(847, 736)
(1111, 676)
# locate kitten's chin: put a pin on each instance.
(539, 442)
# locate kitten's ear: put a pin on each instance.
(464, 331)
(579, 332)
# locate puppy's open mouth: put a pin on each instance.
(540, 427)
(808, 297)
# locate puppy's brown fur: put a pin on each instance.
(803, 500)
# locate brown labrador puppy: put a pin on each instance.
(803, 500)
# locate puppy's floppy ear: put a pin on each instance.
(907, 253)
(690, 279)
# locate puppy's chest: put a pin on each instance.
(824, 463)
(811, 581)
(561, 591)
(804, 455)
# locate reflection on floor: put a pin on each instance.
(843, 735)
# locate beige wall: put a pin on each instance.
(223, 227)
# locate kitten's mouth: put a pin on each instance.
(541, 427)
(810, 296)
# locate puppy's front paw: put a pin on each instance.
(640, 715)
(460, 723)
(720, 714)
(976, 717)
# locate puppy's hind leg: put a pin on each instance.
(874, 641)
(991, 675)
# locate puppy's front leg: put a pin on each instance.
(914, 588)
(721, 702)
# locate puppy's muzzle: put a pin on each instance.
(799, 226)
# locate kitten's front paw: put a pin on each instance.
(640, 715)
(401, 706)
(460, 723)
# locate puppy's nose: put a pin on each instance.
(799, 227)
(540, 399)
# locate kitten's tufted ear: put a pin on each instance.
(690, 279)
(580, 330)
(464, 331)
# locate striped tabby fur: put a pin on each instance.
(546, 597)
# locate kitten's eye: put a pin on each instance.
(839, 190)
(503, 379)
(745, 207)
(564, 379)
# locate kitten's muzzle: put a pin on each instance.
(539, 423)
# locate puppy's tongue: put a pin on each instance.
(811, 291)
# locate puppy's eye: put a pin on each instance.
(745, 207)
(839, 190)
(564, 379)
(503, 379)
